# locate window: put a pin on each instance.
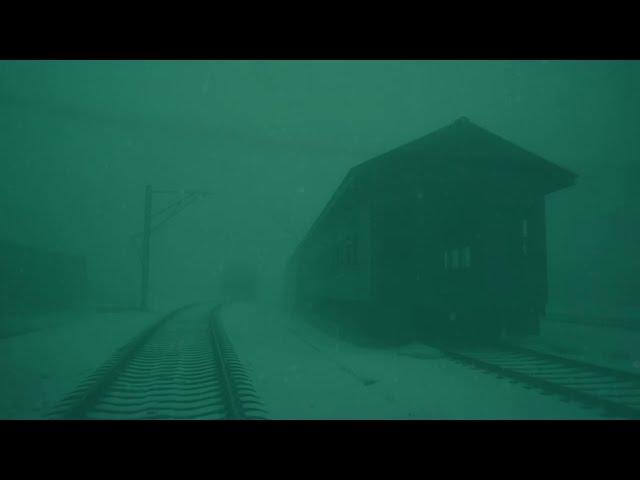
(346, 252)
(457, 258)
(354, 251)
(454, 259)
(466, 257)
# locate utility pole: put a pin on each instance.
(169, 212)
(146, 251)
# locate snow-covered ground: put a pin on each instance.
(21, 324)
(301, 373)
(39, 367)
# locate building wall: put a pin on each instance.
(453, 264)
(514, 264)
(407, 266)
(336, 265)
(420, 223)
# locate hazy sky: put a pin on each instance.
(271, 141)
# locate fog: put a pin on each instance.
(271, 140)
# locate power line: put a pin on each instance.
(186, 203)
(177, 207)
(170, 206)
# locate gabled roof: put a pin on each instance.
(461, 143)
(465, 143)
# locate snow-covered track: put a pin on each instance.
(615, 393)
(182, 367)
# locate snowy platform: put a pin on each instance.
(38, 368)
(301, 373)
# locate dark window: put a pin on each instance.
(354, 251)
(455, 257)
(466, 257)
(349, 252)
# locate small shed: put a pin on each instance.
(445, 235)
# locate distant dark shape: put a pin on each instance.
(34, 281)
(442, 237)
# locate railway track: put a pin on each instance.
(615, 394)
(182, 367)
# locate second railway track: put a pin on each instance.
(614, 393)
(182, 367)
